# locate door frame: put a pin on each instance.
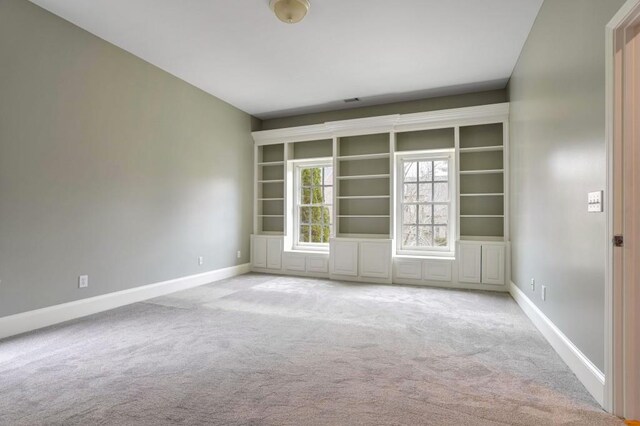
(621, 389)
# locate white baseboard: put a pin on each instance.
(590, 376)
(32, 320)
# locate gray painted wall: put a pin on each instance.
(109, 167)
(422, 105)
(557, 95)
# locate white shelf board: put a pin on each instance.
(381, 176)
(270, 215)
(364, 156)
(271, 163)
(480, 238)
(270, 199)
(482, 149)
(481, 172)
(362, 197)
(487, 194)
(481, 215)
(272, 181)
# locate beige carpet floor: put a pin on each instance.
(269, 350)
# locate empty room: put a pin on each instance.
(319, 212)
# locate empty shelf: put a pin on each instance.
(488, 194)
(482, 149)
(272, 181)
(364, 156)
(481, 172)
(271, 163)
(382, 176)
(361, 197)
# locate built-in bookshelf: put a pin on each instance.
(363, 182)
(481, 166)
(270, 189)
(364, 175)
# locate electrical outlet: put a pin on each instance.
(200, 260)
(239, 254)
(533, 284)
(83, 281)
(543, 294)
(594, 202)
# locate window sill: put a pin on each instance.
(448, 257)
(307, 251)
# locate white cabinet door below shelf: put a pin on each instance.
(375, 259)
(409, 269)
(469, 263)
(274, 253)
(259, 252)
(344, 258)
(294, 262)
(493, 264)
(317, 264)
(437, 270)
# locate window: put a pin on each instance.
(313, 207)
(425, 201)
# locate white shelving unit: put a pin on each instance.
(364, 206)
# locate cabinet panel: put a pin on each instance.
(493, 264)
(469, 263)
(259, 252)
(274, 253)
(317, 264)
(437, 270)
(344, 258)
(409, 269)
(294, 262)
(375, 260)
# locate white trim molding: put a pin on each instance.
(590, 376)
(385, 124)
(32, 320)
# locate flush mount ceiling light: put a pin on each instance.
(290, 11)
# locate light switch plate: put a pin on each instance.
(594, 202)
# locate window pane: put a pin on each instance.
(328, 175)
(426, 218)
(440, 236)
(306, 177)
(328, 195)
(426, 192)
(410, 171)
(326, 213)
(441, 191)
(305, 215)
(317, 196)
(326, 234)
(410, 192)
(441, 170)
(409, 215)
(316, 214)
(306, 196)
(409, 236)
(426, 171)
(304, 233)
(425, 236)
(316, 234)
(441, 214)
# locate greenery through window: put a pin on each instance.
(425, 204)
(314, 204)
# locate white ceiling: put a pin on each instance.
(377, 50)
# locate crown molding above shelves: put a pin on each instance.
(385, 124)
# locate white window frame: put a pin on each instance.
(298, 165)
(427, 155)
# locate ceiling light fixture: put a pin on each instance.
(290, 11)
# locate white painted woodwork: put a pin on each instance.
(344, 257)
(375, 259)
(317, 264)
(469, 264)
(259, 252)
(409, 269)
(274, 253)
(437, 270)
(295, 262)
(493, 257)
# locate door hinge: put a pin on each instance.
(618, 241)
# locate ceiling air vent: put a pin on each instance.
(351, 100)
